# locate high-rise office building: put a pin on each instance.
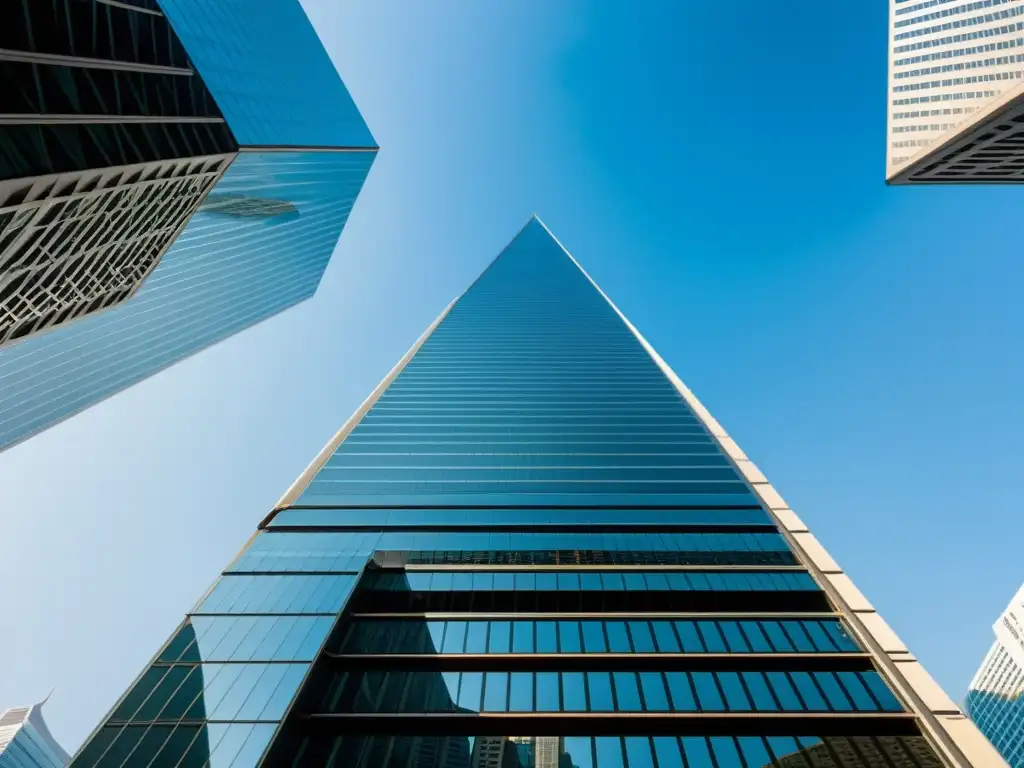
(26, 741)
(532, 546)
(956, 95)
(995, 700)
(185, 166)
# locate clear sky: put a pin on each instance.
(718, 169)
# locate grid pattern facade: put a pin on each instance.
(948, 60)
(248, 80)
(224, 273)
(996, 703)
(108, 142)
(76, 243)
(995, 699)
(526, 551)
(26, 741)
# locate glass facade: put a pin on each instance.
(253, 229)
(995, 700)
(529, 531)
(26, 741)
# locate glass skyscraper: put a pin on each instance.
(532, 547)
(995, 700)
(26, 741)
(241, 156)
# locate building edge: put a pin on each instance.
(945, 724)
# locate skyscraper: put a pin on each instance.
(956, 94)
(531, 539)
(26, 741)
(185, 166)
(995, 700)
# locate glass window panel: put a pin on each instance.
(547, 582)
(470, 691)
(735, 696)
(755, 751)
(454, 637)
(681, 692)
(447, 695)
(526, 582)
(837, 698)
(138, 694)
(643, 641)
(522, 637)
(500, 637)
(808, 691)
(885, 697)
(655, 697)
(436, 631)
(712, 637)
(618, 639)
(854, 687)
(580, 751)
(726, 752)
(504, 582)
(593, 637)
(627, 693)
(574, 694)
(190, 688)
(600, 684)
(230, 744)
(292, 638)
(657, 582)
(708, 695)
(638, 752)
(759, 692)
(569, 636)
(442, 582)
(779, 640)
(521, 692)
(697, 753)
(233, 699)
(149, 745)
(840, 636)
(667, 750)
(483, 582)
(734, 639)
(800, 639)
(758, 642)
(163, 692)
(667, 642)
(476, 637)
(281, 697)
(612, 582)
(462, 582)
(609, 751)
(690, 637)
(496, 691)
(569, 582)
(254, 745)
(818, 636)
(547, 692)
(590, 581)
(635, 582)
(547, 637)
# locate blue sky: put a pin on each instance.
(717, 168)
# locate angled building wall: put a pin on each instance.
(532, 546)
(252, 231)
(26, 741)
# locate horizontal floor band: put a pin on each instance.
(588, 567)
(681, 527)
(638, 614)
(639, 724)
(530, 662)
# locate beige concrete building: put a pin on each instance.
(955, 108)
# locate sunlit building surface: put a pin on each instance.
(170, 173)
(995, 700)
(955, 109)
(26, 741)
(532, 547)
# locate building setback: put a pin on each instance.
(170, 173)
(955, 104)
(530, 547)
(995, 700)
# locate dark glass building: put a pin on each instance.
(532, 547)
(171, 173)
